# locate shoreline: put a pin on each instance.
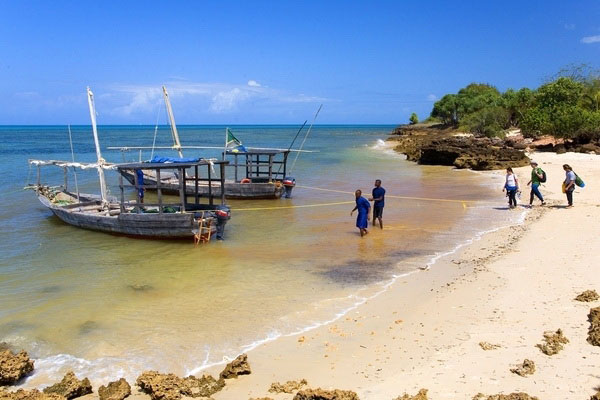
(380, 348)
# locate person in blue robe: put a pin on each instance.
(363, 206)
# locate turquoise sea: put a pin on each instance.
(109, 306)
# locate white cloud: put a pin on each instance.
(432, 97)
(590, 39)
(217, 97)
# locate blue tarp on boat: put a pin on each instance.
(161, 159)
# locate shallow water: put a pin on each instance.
(107, 306)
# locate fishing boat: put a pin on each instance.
(186, 217)
(258, 173)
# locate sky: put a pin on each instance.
(275, 62)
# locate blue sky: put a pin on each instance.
(241, 62)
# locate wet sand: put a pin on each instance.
(424, 332)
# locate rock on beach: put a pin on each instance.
(13, 366)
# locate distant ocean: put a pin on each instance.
(108, 306)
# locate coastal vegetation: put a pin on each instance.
(567, 107)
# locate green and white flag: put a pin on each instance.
(232, 141)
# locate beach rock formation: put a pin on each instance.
(320, 394)
(70, 387)
(512, 396)
(288, 387)
(171, 387)
(13, 366)
(525, 368)
(489, 346)
(587, 296)
(28, 395)
(435, 145)
(260, 398)
(554, 342)
(594, 331)
(596, 396)
(117, 390)
(237, 367)
(422, 395)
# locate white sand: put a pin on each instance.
(506, 289)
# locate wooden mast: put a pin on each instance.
(176, 143)
(103, 191)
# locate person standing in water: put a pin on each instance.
(537, 175)
(378, 200)
(569, 184)
(511, 186)
(363, 206)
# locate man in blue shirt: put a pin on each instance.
(379, 202)
(363, 207)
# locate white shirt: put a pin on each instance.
(511, 180)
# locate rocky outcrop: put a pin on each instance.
(70, 387)
(288, 387)
(117, 390)
(13, 366)
(587, 296)
(422, 395)
(554, 342)
(525, 368)
(320, 394)
(171, 387)
(237, 367)
(434, 146)
(512, 396)
(28, 395)
(594, 331)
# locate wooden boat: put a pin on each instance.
(255, 176)
(162, 219)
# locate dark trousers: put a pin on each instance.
(535, 191)
(512, 198)
(570, 195)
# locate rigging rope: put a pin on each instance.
(305, 137)
(155, 129)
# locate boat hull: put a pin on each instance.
(233, 190)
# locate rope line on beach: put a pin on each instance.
(401, 197)
(287, 207)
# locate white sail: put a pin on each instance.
(176, 143)
(103, 191)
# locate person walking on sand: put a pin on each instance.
(363, 206)
(569, 184)
(378, 200)
(511, 186)
(537, 177)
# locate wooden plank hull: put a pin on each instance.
(166, 226)
(233, 190)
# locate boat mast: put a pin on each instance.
(103, 192)
(176, 144)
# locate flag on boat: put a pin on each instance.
(233, 144)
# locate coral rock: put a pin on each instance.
(13, 366)
(524, 369)
(70, 387)
(237, 367)
(29, 395)
(422, 395)
(288, 387)
(512, 396)
(587, 296)
(171, 387)
(554, 342)
(594, 331)
(320, 394)
(115, 390)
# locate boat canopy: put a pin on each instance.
(161, 159)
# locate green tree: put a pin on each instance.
(414, 119)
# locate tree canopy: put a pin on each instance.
(568, 106)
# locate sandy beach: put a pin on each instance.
(506, 289)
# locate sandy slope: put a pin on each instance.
(506, 289)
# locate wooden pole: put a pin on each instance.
(122, 205)
(196, 199)
(137, 192)
(222, 171)
(159, 191)
(210, 196)
(182, 188)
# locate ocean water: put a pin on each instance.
(108, 306)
